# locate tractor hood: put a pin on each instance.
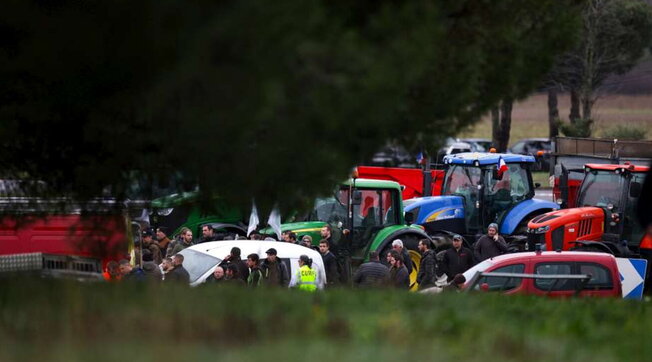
(434, 208)
(560, 229)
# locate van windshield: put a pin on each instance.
(197, 264)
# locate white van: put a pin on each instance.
(200, 260)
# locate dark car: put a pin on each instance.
(392, 156)
(537, 147)
(478, 144)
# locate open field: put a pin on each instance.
(530, 116)
(48, 321)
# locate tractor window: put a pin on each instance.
(329, 210)
(377, 209)
(513, 186)
(601, 188)
(633, 232)
(462, 180)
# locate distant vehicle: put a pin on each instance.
(538, 147)
(478, 144)
(393, 156)
(554, 274)
(453, 148)
(200, 260)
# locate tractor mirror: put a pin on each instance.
(409, 218)
(357, 198)
(537, 185)
(635, 189)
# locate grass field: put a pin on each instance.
(530, 116)
(46, 321)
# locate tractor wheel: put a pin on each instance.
(415, 259)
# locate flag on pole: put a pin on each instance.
(420, 158)
(502, 167)
(274, 222)
(253, 219)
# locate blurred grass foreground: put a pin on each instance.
(58, 321)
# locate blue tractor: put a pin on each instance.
(480, 189)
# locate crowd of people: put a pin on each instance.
(162, 262)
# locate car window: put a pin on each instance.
(197, 264)
(503, 283)
(600, 276)
(519, 147)
(554, 269)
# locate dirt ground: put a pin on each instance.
(530, 116)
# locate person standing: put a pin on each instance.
(163, 240)
(217, 277)
(457, 259)
(489, 245)
(234, 258)
(398, 275)
(151, 270)
(255, 277)
(306, 276)
(275, 272)
(426, 275)
(208, 234)
(152, 246)
(130, 273)
(185, 242)
(330, 264)
(112, 273)
(178, 272)
(233, 276)
(372, 274)
(405, 255)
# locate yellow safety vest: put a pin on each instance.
(307, 279)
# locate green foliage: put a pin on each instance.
(578, 128)
(47, 321)
(625, 132)
(247, 99)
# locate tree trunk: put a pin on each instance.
(495, 125)
(505, 124)
(575, 106)
(553, 113)
(587, 105)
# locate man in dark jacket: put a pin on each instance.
(489, 245)
(398, 274)
(255, 278)
(184, 242)
(275, 272)
(405, 255)
(234, 258)
(130, 273)
(217, 277)
(426, 276)
(178, 273)
(207, 233)
(150, 245)
(457, 259)
(372, 274)
(150, 269)
(330, 263)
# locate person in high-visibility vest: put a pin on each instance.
(306, 277)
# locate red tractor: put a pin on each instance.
(604, 219)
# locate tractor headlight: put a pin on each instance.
(541, 230)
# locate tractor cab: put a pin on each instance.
(487, 191)
(605, 217)
(615, 189)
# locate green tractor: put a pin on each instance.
(365, 215)
(181, 210)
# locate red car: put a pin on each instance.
(555, 274)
